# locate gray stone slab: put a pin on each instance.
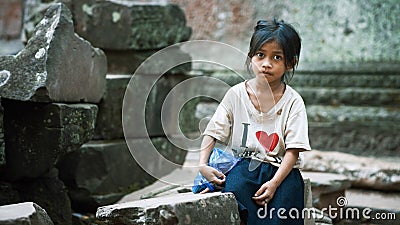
(37, 134)
(102, 172)
(56, 65)
(133, 25)
(26, 213)
(187, 208)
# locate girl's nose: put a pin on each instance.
(266, 64)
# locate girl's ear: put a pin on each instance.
(291, 66)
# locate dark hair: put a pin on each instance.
(284, 34)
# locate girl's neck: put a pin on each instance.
(276, 87)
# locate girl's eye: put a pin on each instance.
(260, 55)
(277, 57)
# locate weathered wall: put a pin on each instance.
(336, 34)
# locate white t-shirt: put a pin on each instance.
(240, 126)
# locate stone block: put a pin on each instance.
(56, 65)
(50, 193)
(26, 213)
(142, 107)
(187, 208)
(127, 61)
(102, 172)
(37, 134)
(133, 25)
(109, 118)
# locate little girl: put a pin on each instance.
(263, 120)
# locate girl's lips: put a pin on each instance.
(267, 73)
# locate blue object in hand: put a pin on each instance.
(220, 160)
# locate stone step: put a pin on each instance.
(355, 138)
(322, 115)
(336, 96)
(366, 115)
(350, 96)
(358, 130)
(304, 79)
(346, 80)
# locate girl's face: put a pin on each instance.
(269, 63)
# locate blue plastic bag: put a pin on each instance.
(220, 160)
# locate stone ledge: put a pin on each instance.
(187, 208)
(363, 172)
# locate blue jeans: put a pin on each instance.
(285, 207)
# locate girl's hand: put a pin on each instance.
(212, 175)
(265, 193)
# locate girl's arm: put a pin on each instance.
(267, 190)
(207, 146)
(210, 173)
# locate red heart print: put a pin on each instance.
(269, 142)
